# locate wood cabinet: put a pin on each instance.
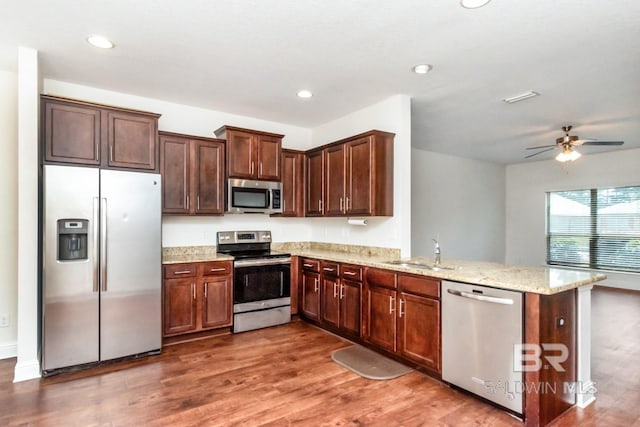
(419, 320)
(314, 183)
(192, 170)
(332, 294)
(310, 287)
(292, 183)
(334, 179)
(197, 297)
(403, 313)
(85, 133)
(351, 177)
(252, 154)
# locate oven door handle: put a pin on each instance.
(261, 262)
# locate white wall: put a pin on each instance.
(8, 209)
(390, 115)
(27, 365)
(462, 202)
(527, 184)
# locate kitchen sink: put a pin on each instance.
(415, 264)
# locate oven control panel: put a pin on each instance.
(230, 237)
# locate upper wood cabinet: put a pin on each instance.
(350, 177)
(314, 183)
(193, 174)
(91, 134)
(252, 154)
(292, 183)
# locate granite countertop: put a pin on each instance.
(186, 254)
(539, 280)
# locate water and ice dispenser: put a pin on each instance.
(72, 239)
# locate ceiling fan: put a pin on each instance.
(566, 144)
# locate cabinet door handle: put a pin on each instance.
(205, 291)
(193, 286)
(111, 153)
(213, 270)
(400, 313)
(187, 202)
(341, 291)
(260, 172)
(251, 168)
(198, 202)
(328, 269)
(335, 290)
(341, 205)
(350, 273)
(320, 206)
(307, 265)
(391, 303)
(347, 204)
(317, 287)
(181, 272)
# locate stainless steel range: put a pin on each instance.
(261, 282)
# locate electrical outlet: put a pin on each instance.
(4, 320)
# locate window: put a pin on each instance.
(595, 228)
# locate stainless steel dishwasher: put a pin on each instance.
(480, 326)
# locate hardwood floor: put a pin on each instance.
(284, 376)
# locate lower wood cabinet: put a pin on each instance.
(397, 313)
(340, 297)
(403, 313)
(310, 287)
(197, 297)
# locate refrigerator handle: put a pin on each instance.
(96, 248)
(103, 243)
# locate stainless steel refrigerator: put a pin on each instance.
(101, 278)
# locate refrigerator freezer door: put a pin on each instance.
(70, 298)
(130, 304)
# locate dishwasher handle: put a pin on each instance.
(496, 300)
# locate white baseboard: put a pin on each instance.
(26, 370)
(8, 350)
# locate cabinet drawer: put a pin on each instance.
(311, 264)
(219, 268)
(330, 268)
(426, 286)
(176, 271)
(384, 278)
(351, 272)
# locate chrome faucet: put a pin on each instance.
(436, 252)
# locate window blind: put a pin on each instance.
(594, 228)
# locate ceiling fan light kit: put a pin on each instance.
(568, 154)
(566, 143)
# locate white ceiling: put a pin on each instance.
(250, 57)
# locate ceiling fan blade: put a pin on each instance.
(540, 152)
(595, 142)
(542, 146)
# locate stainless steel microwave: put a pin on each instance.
(249, 196)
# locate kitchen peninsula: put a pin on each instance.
(370, 296)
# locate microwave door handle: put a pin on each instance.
(269, 199)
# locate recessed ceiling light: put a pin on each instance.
(305, 94)
(473, 4)
(422, 68)
(100, 41)
(521, 97)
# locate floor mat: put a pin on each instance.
(368, 363)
